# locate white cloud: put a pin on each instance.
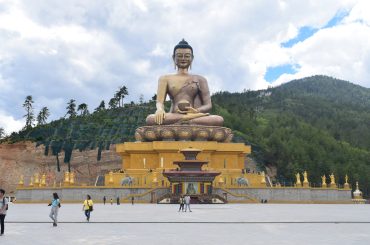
(9, 123)
(342, 51)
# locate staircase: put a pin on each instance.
(268, 181)
(100, 179)
(195, 199)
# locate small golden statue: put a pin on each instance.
(31, 182)
(323, 180)
(298, 180)
(43, 180)
(37, 179)
(110, 181)
(21, 181)
(72, 178)
(305, 179)
(66, 178)
(332, 181)
(263, 177)
(346, 184)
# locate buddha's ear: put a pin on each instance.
(174, 62)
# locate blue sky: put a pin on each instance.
(305, 32)
(84, 50)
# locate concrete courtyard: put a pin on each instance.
(207, 224)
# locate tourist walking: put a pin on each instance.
(104, 200)
(181, 201)
(118, 203)
(55, 205)
(132, 200)
(88, 207)
(111, 201)
(187, 203)
(3, 208)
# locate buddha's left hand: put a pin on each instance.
(189, 110)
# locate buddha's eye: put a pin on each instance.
(187, 56)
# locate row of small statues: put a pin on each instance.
(323, 180)
(37, 181)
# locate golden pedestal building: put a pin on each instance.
(144, 162)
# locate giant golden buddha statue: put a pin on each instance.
(189, 94)
(189, 117)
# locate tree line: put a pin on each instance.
(72, 109)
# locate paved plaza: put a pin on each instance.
(207, 224)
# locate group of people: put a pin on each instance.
(87, 207)
(184, 201)
(117, 200)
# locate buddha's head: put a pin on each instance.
(183, 55)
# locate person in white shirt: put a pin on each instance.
(187, 203)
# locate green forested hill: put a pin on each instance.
(318, 124)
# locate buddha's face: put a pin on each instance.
(183, 57)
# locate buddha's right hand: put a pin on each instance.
(159, 116)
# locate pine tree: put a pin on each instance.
(120, 95)
(29, 112)
(43, 116)
(83, 109)
(101, 107)
(113, 103)
(2, 133)
(71, 108)
(141, 99)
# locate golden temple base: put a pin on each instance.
(144, 162)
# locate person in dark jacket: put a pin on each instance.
(3, 209)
